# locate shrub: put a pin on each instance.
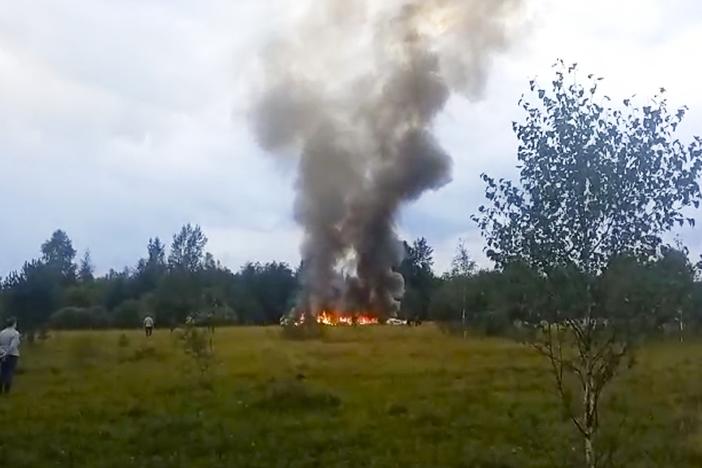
(143, 353)
(306, 331)
(495, 323)
(122, 341)
(78, 318)
(489, 323)
(127, 314)
(216, 316)
(198, 345)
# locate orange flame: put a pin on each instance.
(335, 318)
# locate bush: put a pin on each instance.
(216, 316)
(489, 323)
(78, 318)
(495, 323)
(122, 341)
(143, 353)
(127, 314)
(199, 346)
(306, 331)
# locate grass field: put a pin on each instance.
(368, 397)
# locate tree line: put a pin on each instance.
(56, 291)
(59, 290)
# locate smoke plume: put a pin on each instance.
(352, 88)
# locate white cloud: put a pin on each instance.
(236, 246)
(122, 120)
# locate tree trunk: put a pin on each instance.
(682, 325)
(463, 313)
(589, 421)
(589, 415)
(589, 452)
(589, 396)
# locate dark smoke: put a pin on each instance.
(352, 89)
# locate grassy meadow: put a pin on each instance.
(368, 397)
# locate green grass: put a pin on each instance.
(369, 397)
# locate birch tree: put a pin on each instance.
(597, 179)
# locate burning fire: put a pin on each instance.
(335, 318)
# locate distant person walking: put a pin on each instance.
(148, 325)
(9, 354)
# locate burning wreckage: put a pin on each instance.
(349, 93)
(331, 318)
(334, 319)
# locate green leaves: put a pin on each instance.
(594, 180)
(58, 254)
(188, 249)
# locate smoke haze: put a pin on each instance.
(352, 88)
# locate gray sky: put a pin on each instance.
(121, 121)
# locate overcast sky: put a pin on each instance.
(123, 120)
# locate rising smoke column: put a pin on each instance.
(352, 88)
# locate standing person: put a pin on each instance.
(148, 325)
(211, 322)
(9, 354)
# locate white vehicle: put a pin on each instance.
(286, 320)
(396, 321)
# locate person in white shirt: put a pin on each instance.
(148, 325)
(9, 354)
